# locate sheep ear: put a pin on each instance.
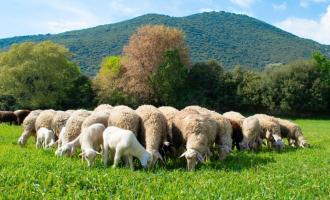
(183, 155)
(167, 143)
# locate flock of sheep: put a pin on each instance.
(153, 134)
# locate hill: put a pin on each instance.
(229, 38)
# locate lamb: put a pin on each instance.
(293, 133)
(29, 127)
(197, 132)
(73, 125)
(90, 141)
(271, 131)
(96, 117)
(21, 115)
(224, 130)
(119, 142)
(45, 119)
(153, 131)
(8, 117)
(251, 134)
(45, 138)
(59, 121)
(124, 117)
(236, 120)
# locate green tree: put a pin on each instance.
(40, 75)
(169, 80)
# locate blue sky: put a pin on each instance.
(305, 18)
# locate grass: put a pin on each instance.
(27, 173)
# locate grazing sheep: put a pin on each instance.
(119, 142)
(103, 107)
(251, 134)
(45, 138)
(21, 115)
(8, 117)
(124, 117)
(96, 117)
(45, 119)
(153, 131)
(29, 127)
(90, 141)
(197, 132)
(59, 121)
(73, 125)
(224, 130)
(271, 131)
(236, 120)
(60, 138)
(292, 132)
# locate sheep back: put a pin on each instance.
(125, 118)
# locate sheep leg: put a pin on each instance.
(118, 154)
(105, 155)
(130, 160)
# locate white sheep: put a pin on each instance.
(197, 133)
(124, 117)
(293, 133)
(118, 142)
(45, 119)
(103, 108)
(96, 117)
(169, 113)
(251, 130)
(153, 131)
(236, 120)
(29, 127)
(45, 138)
(59, 121)
(271, 131)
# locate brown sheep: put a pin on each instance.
(21, 115)
(8, 117)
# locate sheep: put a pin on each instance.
(293, 133)
(60, 138)
(224, 131)
(103, 107)
(29, 127)
(90, 141)
(236, 120)
(45, 119)
(271, 131)
(251, 134)
(45, 138)
(197, 132)
(59, 121)
(96, 117)
(73, 125)
(8, 117)
(124, 117)
(21, 115)
(120, 142)
(153, 131)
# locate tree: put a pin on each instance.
(169, 80)
(144, 53)
(40, 75)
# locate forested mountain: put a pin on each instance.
(228, 38)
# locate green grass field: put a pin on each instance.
(27, 173)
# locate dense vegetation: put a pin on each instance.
(293, 174)
(227, 38)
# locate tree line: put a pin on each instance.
(155, 68)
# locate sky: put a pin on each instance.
(305, 18)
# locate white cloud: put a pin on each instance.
(281, 6)
(243, 3)
(305, 3)
(206, 10)
(312, 29)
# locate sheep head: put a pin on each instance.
(146, 160)
(89, 155)
(192, 157)
(65, 149)
(224, 151)
(155, 156)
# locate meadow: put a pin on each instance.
(27, 173)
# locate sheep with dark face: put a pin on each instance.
(153, 131)
(236, 120)
(8, 117)
(21, 115)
